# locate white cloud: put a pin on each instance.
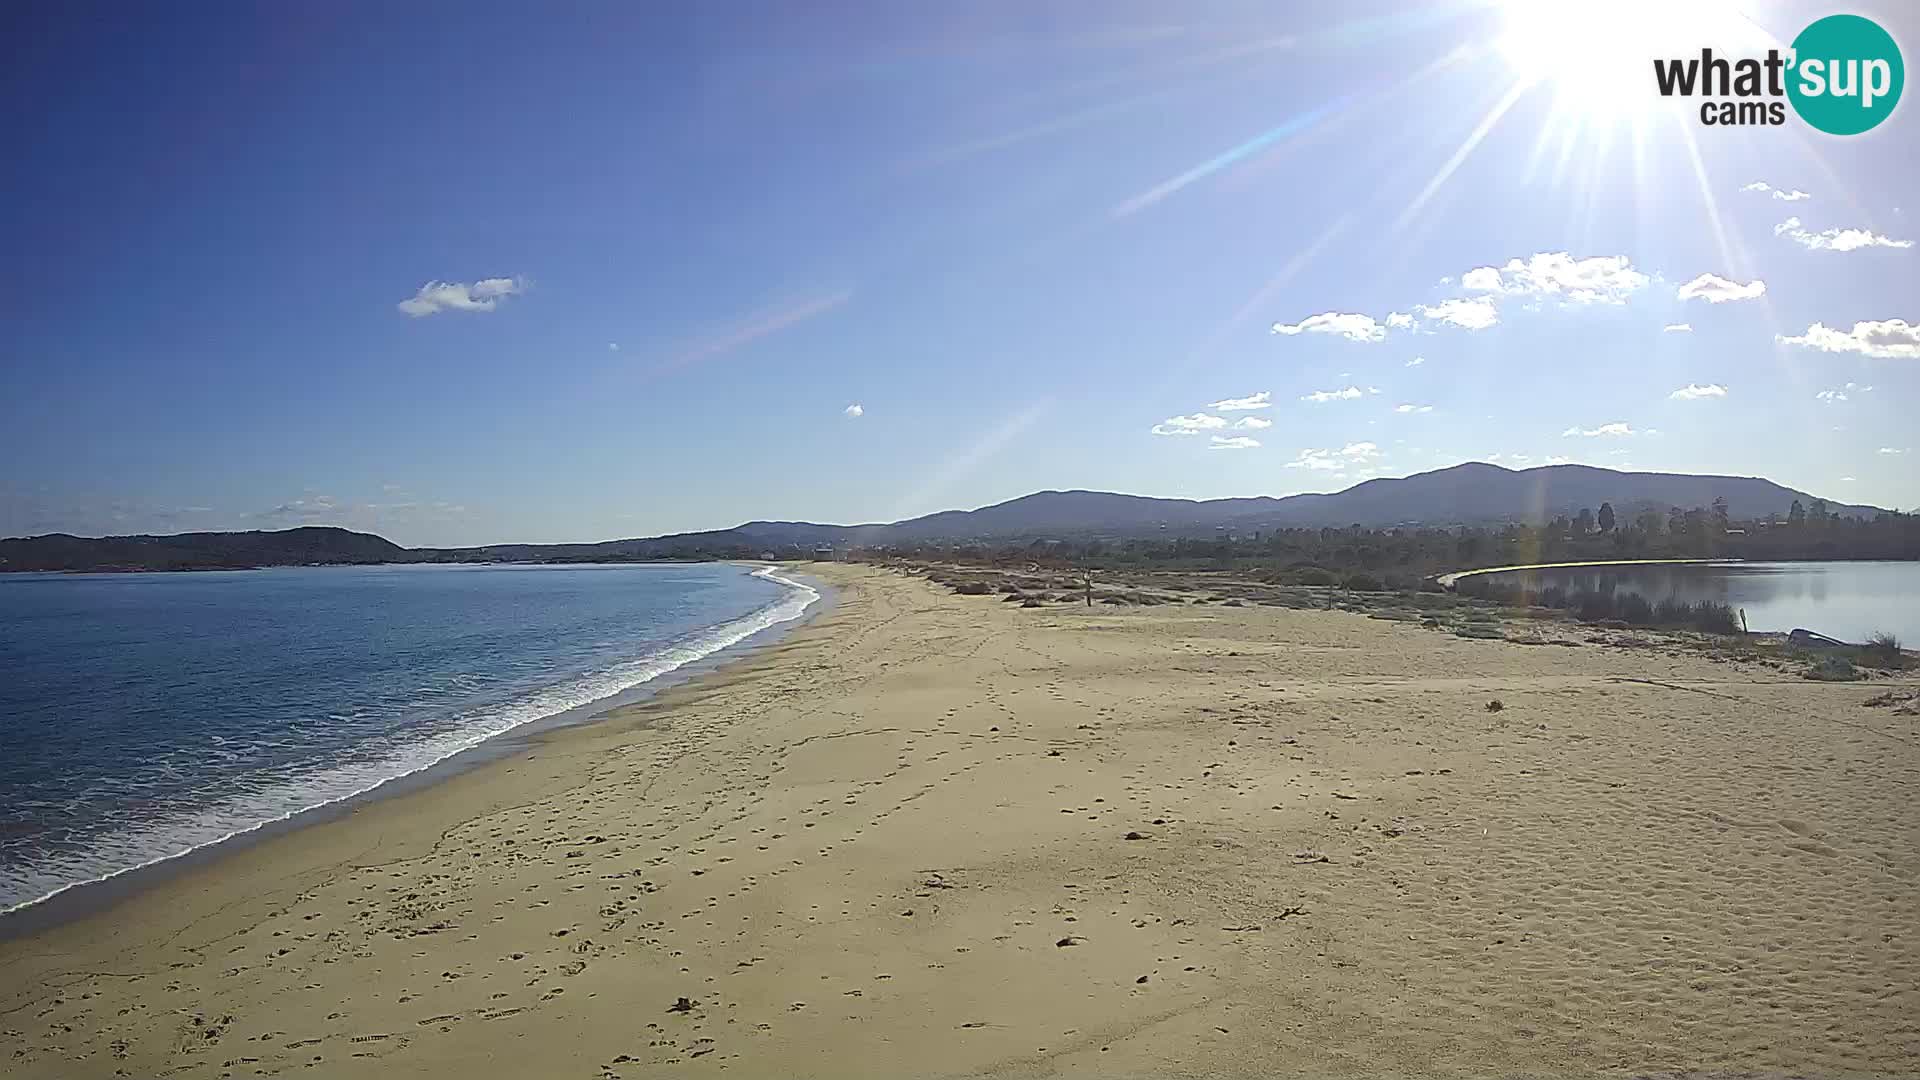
(1399, 320)
(1484, 279)
(1413, 408)
(1252, 423)
(1351, 327)
(1321, 397)
(1891, 450)
(1887, 339)
(1599, 279)
(1835, 239)
(1794, 195)
(482, 295)
(1615, 430)
(855, 410)
(613, 346)
(1677, 328)
(1189, 425)
(1354, 453)
(1842, 393)
(1475, 314)
(1416, 361)
(1261, 400)
(1846, 480)
(1715, 289)
(1238, 442)
(1695, 391)
(306, 509)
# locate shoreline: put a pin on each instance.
(1447, 580)
(79, 900)
(929, 834)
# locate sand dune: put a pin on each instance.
(935, 835)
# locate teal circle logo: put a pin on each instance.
(1847, 74)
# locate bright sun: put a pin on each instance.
(1596, 56)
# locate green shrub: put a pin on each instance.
(1314, 575)
(1635, 609)
(1365, 583)
(1833, 669)
(1883, 650)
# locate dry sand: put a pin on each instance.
(936, 835)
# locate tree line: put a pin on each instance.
(1401, 557)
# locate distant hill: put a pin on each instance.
(1473, 493)
(199, 551)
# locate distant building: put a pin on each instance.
(824, 553)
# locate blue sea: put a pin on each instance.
(146, 716)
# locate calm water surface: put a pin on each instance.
(1846, 600)
(143, 716)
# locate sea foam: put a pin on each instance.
(269, 799)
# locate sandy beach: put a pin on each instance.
(942, 835)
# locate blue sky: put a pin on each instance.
(481, 272)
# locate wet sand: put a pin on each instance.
(940, 835)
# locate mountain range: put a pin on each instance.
(1472, 493)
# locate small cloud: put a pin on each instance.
(1795, 195)
(1484, 279)
(1715, 289)
(1677, 328)
(1835, 239)
(1887, 339)
(1615, 430)
(1843, 393)
(1189, 425)
(613, 346)
(1238, 442)
(1598, 279)
(483, 295)
(1413, 408)
(1399, 320)
(1416, 361)
(1252, 423)
(305, 509)
(1846, 479)
(1352, 454)
(1261, 400)
(1351, 327)
(855, 410)
(1321, 397)
(1475, 314)
(1893, 450)
(1695, 391)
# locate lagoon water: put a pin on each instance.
(144, 716)
(1846, 600)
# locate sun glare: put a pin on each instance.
(1595, 57)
